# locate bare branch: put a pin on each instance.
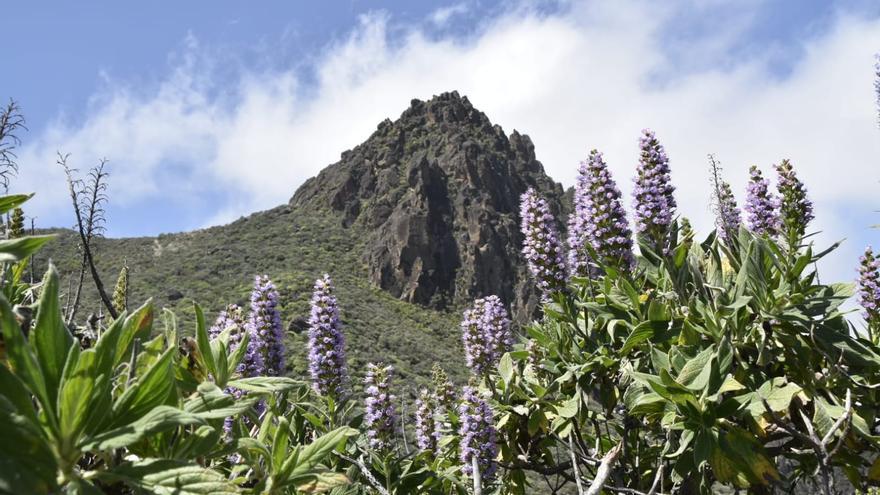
(88, 200)
(604, 471)
(11, 123)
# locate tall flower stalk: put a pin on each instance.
(599, 219)
(232, 317)
(427, 427)
(653, 199)
(727, 215)
(762, 206)
(795, 208)
(380, 415)
(877, 84)
(485, 334)
(264, 327)
(542, 248)
(327, 363)
(477, 434)
(869, 290)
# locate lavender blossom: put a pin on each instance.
(232, 317)
(653, 198)
(727, 214)
(796, 210)
(427, 427)
(380, 416)
(486, 334)
(264, 327)
(600, 219)
(478, 435)
(327, 364)
(877, 83)
(578, 257)
(869, 287)
(542, 248)
(761, 205)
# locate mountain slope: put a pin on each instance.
(412, 224)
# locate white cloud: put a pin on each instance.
(443, 15)
(582, 78)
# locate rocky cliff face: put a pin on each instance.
(438, 192)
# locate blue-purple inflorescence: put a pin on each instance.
(327, 364)
(477, 434)
(232, 319)
(653, 199)
(264, 327)
(877, 84)
(542, 247)
(427, 427)
(762, 206)
(380, 415)
(485, 334)
(795, 209)
(599, 220)
(869, 287)
(727, 215)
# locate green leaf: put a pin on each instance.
(138, 325)
(780, 398)
(703, 447)
(15, 392)
(695, 366)
(203, 341)
(22, 360)
(159, 419)
(26, 461)
(280, 443)
(642, 332)
(298, 468)
(167, 477)
(154, 388)
(11, 201)
(209, 402)
(13, 250)
(77, 391)
(505, 368)
(265, 384)
(658, 311)
(50, 337)
(568, 409)
(321, 482)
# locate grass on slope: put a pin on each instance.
(216, 266)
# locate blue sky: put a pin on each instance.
(208, 111)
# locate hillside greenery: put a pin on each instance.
(216, 267)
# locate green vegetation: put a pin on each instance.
(216, 266)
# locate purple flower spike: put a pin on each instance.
(478, 435)
(485, 334)
(427, 427)
(380, 416)
(727, 215)
(762, 206)
(327, 364)
(877, 83)
(232, 317)
(653, 198)
(542, 248)
(264, 326)
(796, 210)
(599, 220)
(869, 287)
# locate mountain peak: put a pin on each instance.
(437, 191)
